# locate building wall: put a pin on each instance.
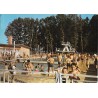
(25, 51)
(8, 49)
(19, 51)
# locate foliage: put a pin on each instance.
(50, 32)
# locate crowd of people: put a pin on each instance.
(83, 61)
(72, 63)
(12, 55)
(7, 56)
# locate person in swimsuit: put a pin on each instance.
(64, 71)
(50, 64)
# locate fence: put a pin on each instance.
(5, 76)
(59, 78)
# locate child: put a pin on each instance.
(36, 69)
(42, 68)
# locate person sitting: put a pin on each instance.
(36, 69)
(75, 71)
(42, 68)
(64, 71)
(29, 66)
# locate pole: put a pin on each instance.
(60, 77)
(14, 46)
(14, 49)
(57, 77)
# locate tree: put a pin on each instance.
(93, 36)
(86, 32)
(74, 31)
(50, 32)
(23, 29)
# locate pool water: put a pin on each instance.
(20, 66)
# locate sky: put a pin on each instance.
(5, 19)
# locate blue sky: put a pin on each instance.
(5, 19)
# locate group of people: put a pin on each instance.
(30, 67)
(72, 63)
(83, 61)
(7, 56)
(12, 55)
(75, 71)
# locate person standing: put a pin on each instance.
(96, 61)
(59, 58)
(75, 72)
(50, 64)
(13, 72)
(68, 62)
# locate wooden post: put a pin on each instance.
(3, 77)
